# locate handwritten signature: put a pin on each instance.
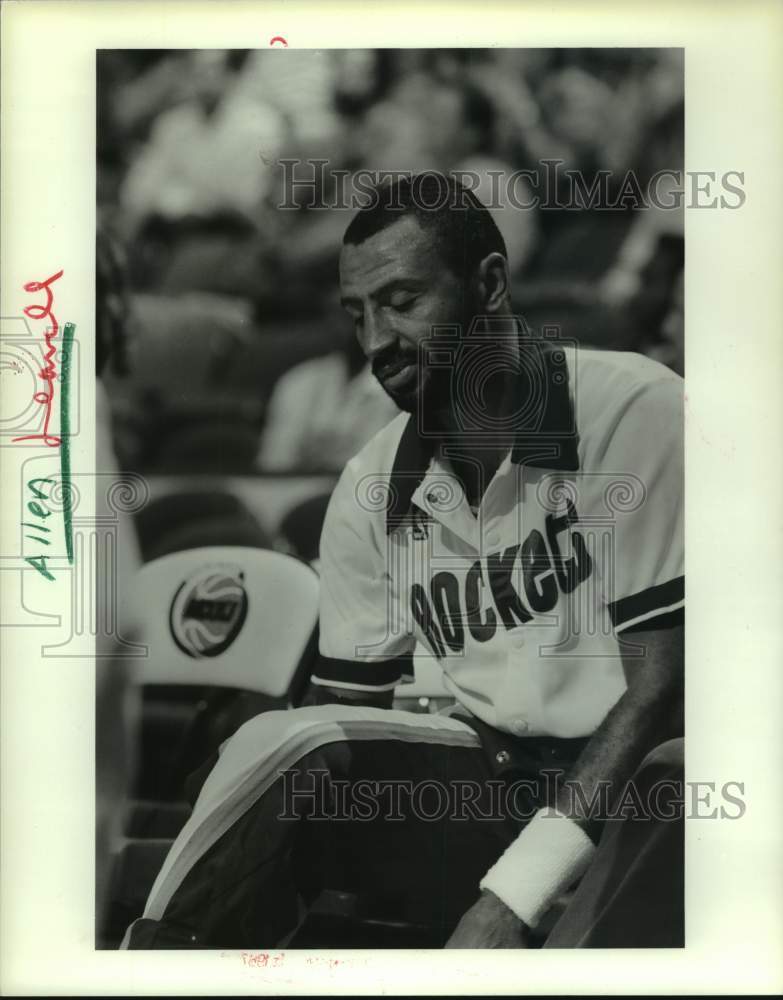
(48, 372)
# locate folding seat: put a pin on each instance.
(233, 629)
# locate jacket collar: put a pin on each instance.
(546, 437)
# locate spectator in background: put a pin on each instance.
(116, 698)
(202, 155)
(202, 133)
(422, 122)
(195, 383)
(112, 353)
(429, 123)
(190, 201)
(644, 284)
(322, 412)
(669, 349)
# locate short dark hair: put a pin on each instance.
(463, 229)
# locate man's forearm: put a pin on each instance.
(645, 715)
(553, 851)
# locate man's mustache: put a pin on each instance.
(392, 360)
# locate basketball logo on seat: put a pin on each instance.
(208, 611)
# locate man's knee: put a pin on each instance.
(669, 756)
(665, 763)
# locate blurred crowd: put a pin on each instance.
(238, 359)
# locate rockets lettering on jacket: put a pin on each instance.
(451, 607)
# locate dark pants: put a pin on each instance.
(408, 827)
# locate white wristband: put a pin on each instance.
(550, 854)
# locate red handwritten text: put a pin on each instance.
(48, 372)
(262, 959)
(323, 960)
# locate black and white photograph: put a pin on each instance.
(394, 338)
(371, 378)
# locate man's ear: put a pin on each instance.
(493, 284)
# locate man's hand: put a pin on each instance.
(489, 924)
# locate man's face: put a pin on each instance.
(396, 287)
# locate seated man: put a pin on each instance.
(521, 523)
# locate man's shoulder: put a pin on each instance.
(620, 372)
(359, 500)
(378, 454)
(605, 383)
(616, 394)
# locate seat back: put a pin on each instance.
(224, 616)
(174, 522)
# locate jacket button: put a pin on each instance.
(502, 756)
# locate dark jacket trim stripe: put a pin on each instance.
(671, 619)
(663, 598)
(371, 674)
